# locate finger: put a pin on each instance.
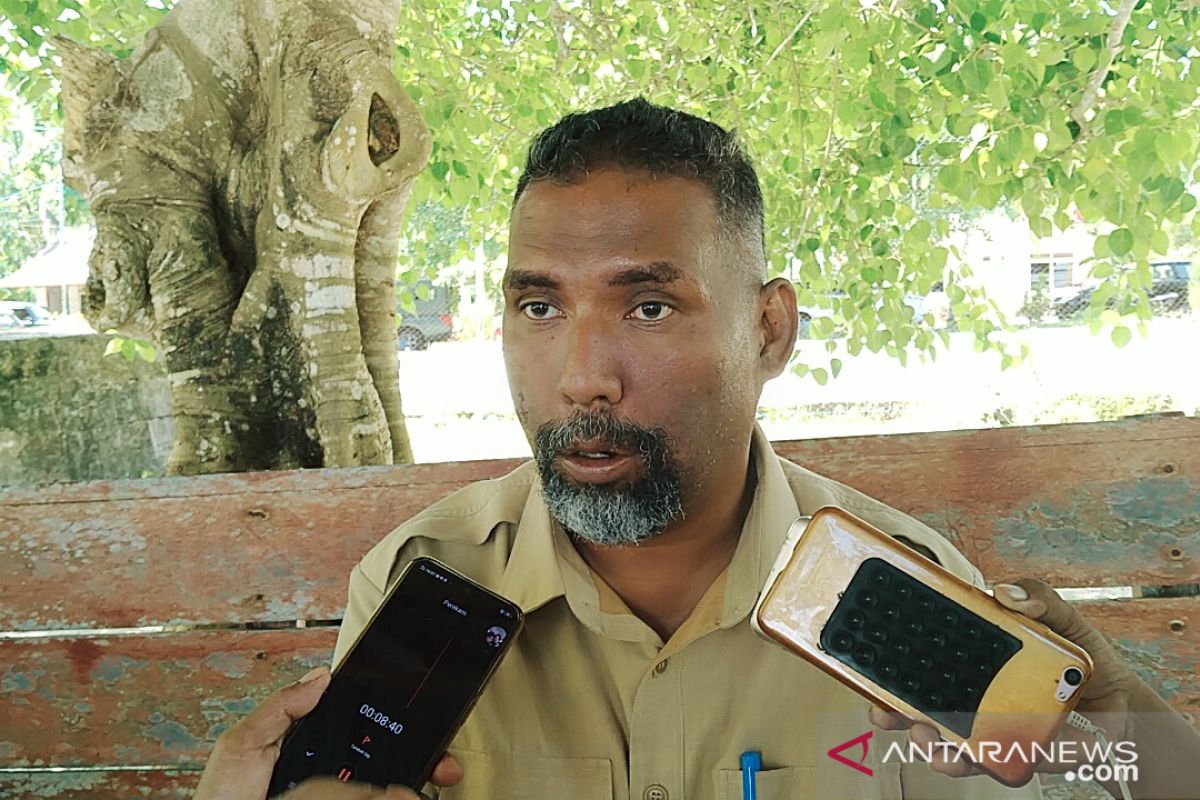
(266, 725)
(946, 758)
(448, 772)
(888, 720)
(1038, 601)
(924, 735)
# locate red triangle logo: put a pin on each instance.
(836, 753)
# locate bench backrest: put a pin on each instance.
(179, 603)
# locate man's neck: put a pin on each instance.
(663, 579)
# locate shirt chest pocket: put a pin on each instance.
(796, 783)
(770, 784)
(498, 776)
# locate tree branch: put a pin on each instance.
(787, 39)
(1115, 33)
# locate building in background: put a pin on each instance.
(58, 273)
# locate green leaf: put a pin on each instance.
(1121, 335)
(821, 376)
(146, 351)
(1084, 58)
(1121, 241)
(1171, 190)
(822, 328)
(835, 366)
(1160, 242)
(976, 74)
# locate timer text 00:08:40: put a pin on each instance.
(382, 719)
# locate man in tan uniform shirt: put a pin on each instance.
(639, 328)
(591, 704)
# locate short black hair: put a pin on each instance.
(637, 134)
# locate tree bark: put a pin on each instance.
(248, 167)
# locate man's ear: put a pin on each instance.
(778, 323)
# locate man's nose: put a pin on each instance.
(590, 373)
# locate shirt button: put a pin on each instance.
(655, 792)
(659, 669)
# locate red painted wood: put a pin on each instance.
(229, 548)
(1096, 504)
(164, 699)
(92, 785)
(141, 700)
(1076, 505)
(1101, 504)
(1160, 640)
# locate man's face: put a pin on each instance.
(632, 350)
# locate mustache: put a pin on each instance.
(559, 437)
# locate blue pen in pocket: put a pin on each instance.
(751, 764)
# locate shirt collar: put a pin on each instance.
(532, 577)
(543, 562)
(772, 511)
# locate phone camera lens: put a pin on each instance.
(1073, 676)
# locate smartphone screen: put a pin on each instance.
(403, 690)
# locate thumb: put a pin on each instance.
(1038, 601)
(266, 725)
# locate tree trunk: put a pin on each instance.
(248, 168)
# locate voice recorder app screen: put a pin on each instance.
(403, 685)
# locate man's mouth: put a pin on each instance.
(598, 462)
(598, 450)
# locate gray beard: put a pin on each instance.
(608, 515)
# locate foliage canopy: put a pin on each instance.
(870, 123)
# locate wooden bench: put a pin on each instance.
(141, 618)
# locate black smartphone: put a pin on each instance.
(406, 686)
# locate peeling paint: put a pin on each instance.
(35, 785)
(231, 665)
(114, 668)
(1150, 662)
(295, 608)
(1162, 502)
(173, 736)
(14, 681)
(1102, 524)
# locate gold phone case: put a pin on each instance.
(918, 640)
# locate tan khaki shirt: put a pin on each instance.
(590, 704)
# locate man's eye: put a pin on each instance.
(652, 312)
(539, 311)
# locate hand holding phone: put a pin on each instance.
(406, 685)
(919, 641)
(240, 765)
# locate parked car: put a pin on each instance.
(1168, 291)
(431, 319)
(25, 313)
